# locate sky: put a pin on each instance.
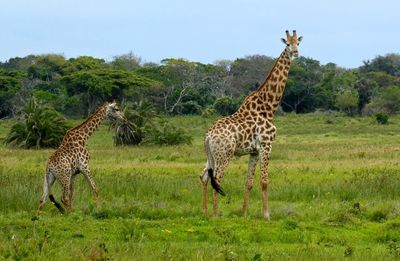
(345, 32)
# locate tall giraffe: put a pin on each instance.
(72, 157)
(250, 130)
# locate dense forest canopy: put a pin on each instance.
(76, 86)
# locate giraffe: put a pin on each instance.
(72, 157)
(250, 130)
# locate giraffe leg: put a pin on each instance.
(219, 173)
(65, 198)
(215, 203)
(264, 180)
(48, 182)
(249, 183)
(71, 189)
(204, 181)
(92, 184)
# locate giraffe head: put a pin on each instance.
(292, 43)
(113, 112)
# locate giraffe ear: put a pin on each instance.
(300, 38)
(283, 41)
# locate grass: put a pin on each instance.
(334, 194)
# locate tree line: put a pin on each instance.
(76, 86)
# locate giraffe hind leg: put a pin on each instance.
(204, 181)
(48, 183)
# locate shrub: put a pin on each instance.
(132, 132)
(167, 134)
(225, 106)
(208, 112)
(39, 126)
(127, 134)
(382, 118)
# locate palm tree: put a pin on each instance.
(38, 126)
(138, 115)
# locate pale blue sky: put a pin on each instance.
(343, 32)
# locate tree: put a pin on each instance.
(94, 86)
(10, 85)
(366, 89)
(84, 63)
(47, 67)
(225, 106)
(347, 101)
(248, 73)
(138, 115)
(388, 100)
(389, 64)
(127, 62)
(301, 90)
(39, 126)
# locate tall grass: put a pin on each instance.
(333, 195)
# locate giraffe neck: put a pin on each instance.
(268, 96)
(271, 91)
(86, 128)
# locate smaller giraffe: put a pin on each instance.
(72, 157)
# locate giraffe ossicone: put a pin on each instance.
(72, 157)
(250, 130)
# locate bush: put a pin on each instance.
(39, 126)
(167, 134)
(208, 112)
(132, 132)
(127, 134)
(347, 101)
(382, 118)
(225, 106)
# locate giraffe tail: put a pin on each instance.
(52, 199)
(210, 168)
(214, 183)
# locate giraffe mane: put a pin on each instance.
(270, 72)
(88, 118)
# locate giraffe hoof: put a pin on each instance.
(266, 216)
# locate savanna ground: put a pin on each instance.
(334, 194)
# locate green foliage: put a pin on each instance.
(389, 64)
(389, 100)
(382, 118)
(10, 83)
(301, 88)
(39, 126)
(246, 74)
(76, 86)
(127, 62)
(47, 67)
(138, 116)
(84, 63)
(165, 133)
(225, 106)
(347, 101)
(208, 112)
(127, 134)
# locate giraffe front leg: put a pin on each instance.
(264, 181)
(71, 189)
(249, 183)
(92, 184)
(215, 203)
(65, 198)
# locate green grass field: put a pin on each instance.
(334, 194)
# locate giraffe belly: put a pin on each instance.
(246, 148)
